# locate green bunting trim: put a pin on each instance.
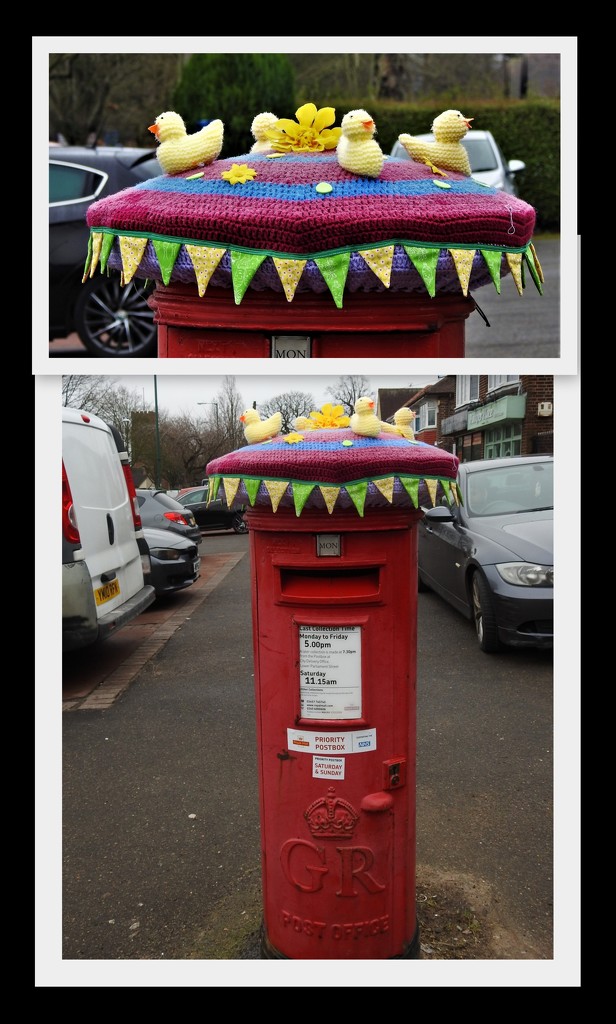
(534, 273)
(334, 270)
(252, 489)
(301, 493)
(412, 489)
(357, 493)
(166, 254)
(424, 261)
(106, 248)
(493, 261)
(243, 268)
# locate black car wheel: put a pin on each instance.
(483, 615)
(239, 523)
(114, 319)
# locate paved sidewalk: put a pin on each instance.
(92, 682)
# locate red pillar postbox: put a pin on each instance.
(334, 627)
(333, 545)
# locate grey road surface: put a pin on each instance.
(524, 326)
(161, 830)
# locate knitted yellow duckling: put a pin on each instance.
(256, 429)
(447, 151)
(304, 423)
(178, 151)
(260, 125)
(364, 420)
(357, 150)
(403, 422)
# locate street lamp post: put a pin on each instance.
(215, 404)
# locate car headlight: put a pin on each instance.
(526, 574)
(166, 554)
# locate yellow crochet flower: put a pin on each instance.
(238, 174)
(293, 438)
(312, 132)
(329, 416)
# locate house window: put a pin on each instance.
(503, 441)
(427, 415)
(467, 389)
(498, 380)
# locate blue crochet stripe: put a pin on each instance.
(313, 444)
(302, 193)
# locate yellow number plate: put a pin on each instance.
(102, 594)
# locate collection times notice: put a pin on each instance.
(330, 671)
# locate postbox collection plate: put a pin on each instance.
(291, 347)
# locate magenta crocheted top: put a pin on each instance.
(334, 468)
(303, 223)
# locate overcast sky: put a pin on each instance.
(182, 394)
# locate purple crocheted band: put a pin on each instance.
(296, 473)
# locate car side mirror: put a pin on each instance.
(441, 514)
(516, 166)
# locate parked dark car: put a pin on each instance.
(157, 509)
(488, 164)
(492, 556)
(110, 318)
(213, 516)
(175, 562)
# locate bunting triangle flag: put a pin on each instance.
(424, 261)
(301, 493)
(86, 268)
(252, 489)
(379, 261)
(432, 486)
(493, 261)
(411, 486)
(463, 259)
(97, 244)
(534, 269)
(514, 259)
(204, 261)
(276, 490)
(107, 246)
(334, 270)
(330, 495)
(357, 494)
(131, 251)
(231, 484)
(244, 266)
(537, 263)
(289, 272)
(386, 487)
(213, 490)
(166, 254)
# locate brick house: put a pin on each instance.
(486, 416)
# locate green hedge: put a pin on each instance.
(527, 130)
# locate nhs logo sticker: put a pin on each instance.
(363, 741)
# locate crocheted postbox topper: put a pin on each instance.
(314, 208)
(335, 468)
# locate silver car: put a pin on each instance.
(488, 164)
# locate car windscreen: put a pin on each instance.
(480, 154)
(521, 488)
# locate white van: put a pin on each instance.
(104, 556)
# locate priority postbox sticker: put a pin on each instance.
(328, 767)
(331, 744)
